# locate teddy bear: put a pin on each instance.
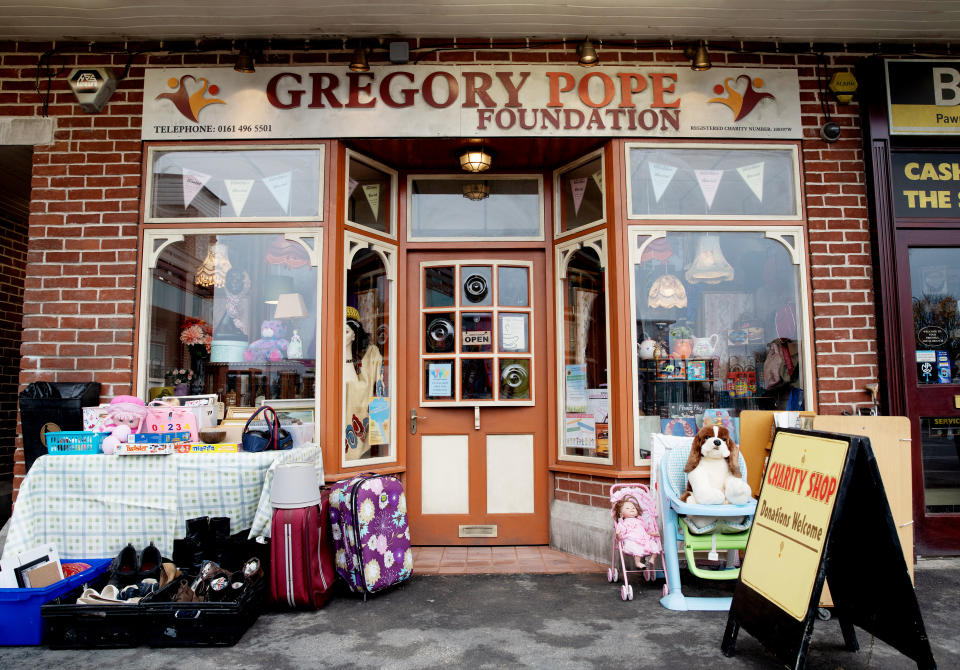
(123, 418)
(713, 472)
(271, 346)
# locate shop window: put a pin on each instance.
(371, 194)
(472, 208)
(584, 346)
(712, 181)
(934, 289)
(233, 314)
(719, 327)
(235, 185)
(476, 322)
(369, 405)
(578, 190)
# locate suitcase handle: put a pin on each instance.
(186, 614)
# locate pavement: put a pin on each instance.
(551, 621)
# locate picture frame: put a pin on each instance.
(293, 409)
(696, 370)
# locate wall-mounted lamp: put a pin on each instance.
(699, 57)
(358, 62)
(245, 60)
(476, 159)
(213, 270)
(476, 190)
(586, 54)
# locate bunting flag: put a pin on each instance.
(279, 186)
(660, 177)
(598, 177)
(753, 175)
(372, 191)
(238, 190)
(353, 186)
(193, 181)
(709, 181)
(577, 187)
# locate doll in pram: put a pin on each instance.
(636, 534)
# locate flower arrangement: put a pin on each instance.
(197, 335)
(179, 376)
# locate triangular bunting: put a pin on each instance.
(753, 175)
(238, 190)
(577, 187)
(598, 177)
(279, 187)
(372, 191)
(709, 181)
(193, 181)
(660, 177)
(353, 186)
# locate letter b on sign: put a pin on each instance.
(946, 86)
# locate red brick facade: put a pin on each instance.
(80, 292)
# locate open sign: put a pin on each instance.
(474, 337)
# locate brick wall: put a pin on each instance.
(13, 256)
(80, 284)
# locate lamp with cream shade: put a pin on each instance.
(291, 306)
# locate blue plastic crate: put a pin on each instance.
(68, 442)
(20, 620)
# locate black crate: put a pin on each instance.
(219, 624)
(67, 625)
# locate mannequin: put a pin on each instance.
(362, 366)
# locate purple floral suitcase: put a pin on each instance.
(368, 521)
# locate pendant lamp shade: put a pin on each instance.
(213, 270)
(667, 291)
(709, 266)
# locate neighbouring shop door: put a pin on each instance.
(930, 324)
(476, 383)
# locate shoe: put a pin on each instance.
(185, 594)
(147, 586)
(217, 538)
(128, 592)
(123, 571)
(245, 579)
(150, 561)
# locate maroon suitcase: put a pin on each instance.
(301, 556)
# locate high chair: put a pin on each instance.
(672, 481)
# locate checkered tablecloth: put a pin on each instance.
(92, 506)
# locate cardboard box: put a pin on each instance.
(144, 449)
(159, 438)
(202, 448)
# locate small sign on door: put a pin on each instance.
(475, 337)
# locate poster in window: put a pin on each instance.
(440, 379)
(576, 388)
(581, 431)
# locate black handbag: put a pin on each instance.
(274, 437)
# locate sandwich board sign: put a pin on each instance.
(822, 514)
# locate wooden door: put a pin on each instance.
(929, 290)
(476, 384)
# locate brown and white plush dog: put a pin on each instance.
(713, 469)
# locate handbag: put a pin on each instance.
(164, 418)
(274, 437)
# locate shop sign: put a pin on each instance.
(823, 515)
(923, 97)
(470, 101)
(926, 184)
(932, 336)
(475, 337)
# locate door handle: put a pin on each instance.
(413, 421)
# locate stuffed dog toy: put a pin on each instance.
(713, 476)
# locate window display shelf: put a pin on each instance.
(240, 384)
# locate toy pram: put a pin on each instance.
(647, 507)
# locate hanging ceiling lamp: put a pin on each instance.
(709, 266)
(667, 291)
(586, 54)
(699, 57)
(476, 159)
(213, 270)
(476, 190)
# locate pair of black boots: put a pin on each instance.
(207, 539)
(132, 567)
